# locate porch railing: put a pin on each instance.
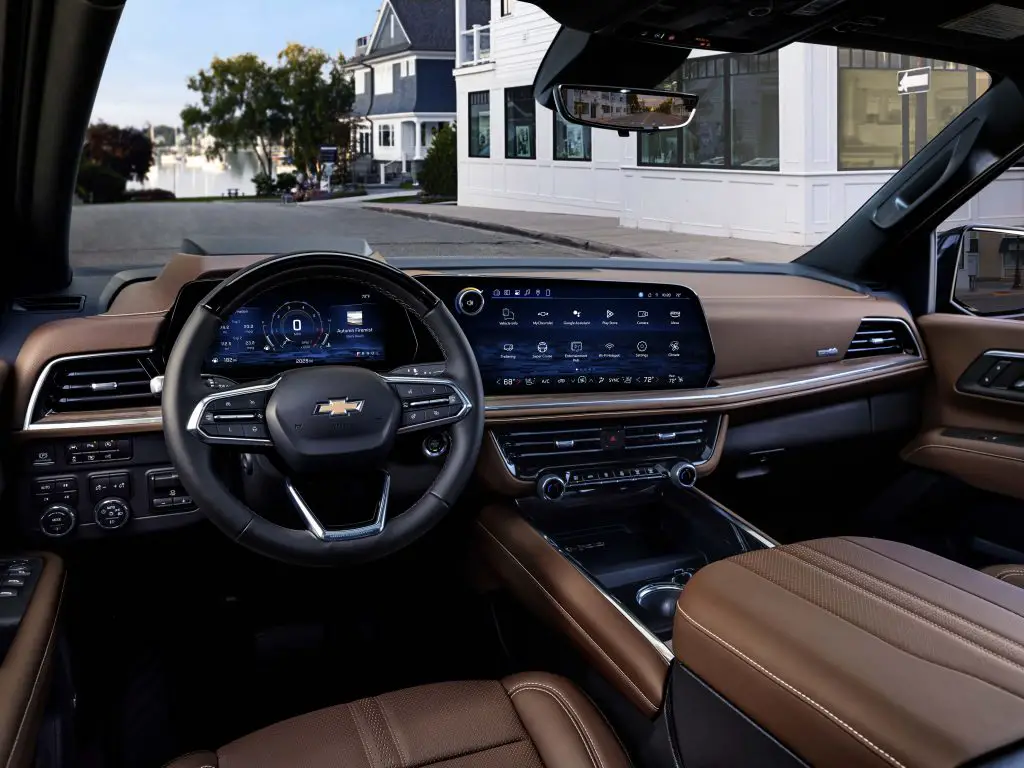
(475, 46)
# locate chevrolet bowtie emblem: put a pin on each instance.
(342, 407)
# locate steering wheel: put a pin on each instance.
(321, 419)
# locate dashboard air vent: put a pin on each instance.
(666, 438)
(97, 383)
(49, 304)
(882, 336)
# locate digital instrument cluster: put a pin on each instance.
(564, 336)
(303, 325)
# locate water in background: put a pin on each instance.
(195, 177)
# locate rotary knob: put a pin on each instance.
(57, 520)
(112, 514)
(683, 474)
(551, 487)
(470, 301)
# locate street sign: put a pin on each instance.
(913, 80)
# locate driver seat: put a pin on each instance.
(531, 720)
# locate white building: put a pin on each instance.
(783, 148)
(402, 78)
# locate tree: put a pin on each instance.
(440, 174)
(240, 107)
(164, 135)
(128, 152)
(317, 98)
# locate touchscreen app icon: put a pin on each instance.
(542, 347)
(508, 314)
(576, 346)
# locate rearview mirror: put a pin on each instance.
(624, 109)
(990, 271)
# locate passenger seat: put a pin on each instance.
(1011, 574)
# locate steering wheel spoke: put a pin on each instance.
(428, 403)
(325, 532)
(235, 417)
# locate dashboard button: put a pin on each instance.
(44, 487)
(469, 301)
(42, 455)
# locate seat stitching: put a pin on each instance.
(387, 724)
(910, 612)
(799, 694)
(570, 712)
(403, 758)
(941, 609)
(459, 755)
(944, 583)
(1008, 572)
(359, 732)
(569, 616)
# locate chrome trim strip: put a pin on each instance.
(658, 586)
(195, 428)
(131, 421)
(659, 645)
(689, 397)
(29, 426)
(467, 404)
(348, 534)
(744, 526)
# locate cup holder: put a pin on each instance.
(659, 598)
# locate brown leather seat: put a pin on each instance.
(1011, 574)
(532, 720)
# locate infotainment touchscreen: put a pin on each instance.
(580, 336)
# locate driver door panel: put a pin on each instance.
(973, 421)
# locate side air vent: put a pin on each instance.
(48, 304)
(545, 447)
(882, 336)
(96, 383)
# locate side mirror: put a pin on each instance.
(624, 109)
(990, 271)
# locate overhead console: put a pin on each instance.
(537, 336)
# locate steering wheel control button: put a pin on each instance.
(234, 417)
(58, 520)
(112, 514)
(470, 301)
(429, 403)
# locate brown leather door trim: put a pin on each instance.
(26, 670)
(555, 589)
(992, 466)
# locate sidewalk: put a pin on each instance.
(598, 234)
(361, 199)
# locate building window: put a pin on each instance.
(520, 123)
(480, 124)
(880, 128)
(364, 147)
(508, 7)
(572, 142)
(737, 122)
(385, 135)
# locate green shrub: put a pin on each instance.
(99, 184)
(440, 174)
(265, 185)
(286, 182)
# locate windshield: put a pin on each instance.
(412, 124)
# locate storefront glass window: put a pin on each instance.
(572, 142)
(479, 124)
(737, 121)
(882, 128)
(520, 123)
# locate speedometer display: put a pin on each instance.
(297, 326)
(302, 325)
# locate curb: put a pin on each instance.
(507, 229)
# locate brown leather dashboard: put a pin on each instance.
(767, 330)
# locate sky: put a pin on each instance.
(160, 43)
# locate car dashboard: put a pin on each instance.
(594, 374)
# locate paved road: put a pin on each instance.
(146, 234)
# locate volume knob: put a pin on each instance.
(683, 474)
(551, 487)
